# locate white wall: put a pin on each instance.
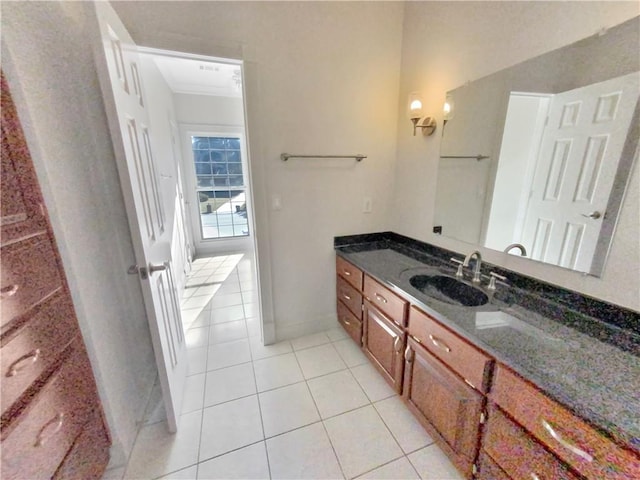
(209, 110)
(446, 44)
(325, 80)
(51, 74)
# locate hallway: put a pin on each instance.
(312, 407)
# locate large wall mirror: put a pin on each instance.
(539, 154)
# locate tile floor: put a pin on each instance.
(309, 408)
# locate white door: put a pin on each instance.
(118, 68)
(579, 155)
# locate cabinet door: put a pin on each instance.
(383, 342)
(446, 406)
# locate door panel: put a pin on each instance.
(448, 407)
(383, 342)
(578, 160)
(123, 91)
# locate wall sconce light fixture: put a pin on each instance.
(448, 108)
(427, 124)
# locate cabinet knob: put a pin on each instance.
(380, 298)
(558, 438)
(439, 343)
(23, 362)
(9, 291)
(49, 429)
(396, 345)
(408, 354)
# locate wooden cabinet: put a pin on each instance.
(473, 365)
(52, 422)
(393, 306)
(383, 342)
(444, 380)
(349, 282)
(349, 296)
(518, 453)
(352, 274)
(445, 405)
(570, 438)
(350, 323)
(489, 470)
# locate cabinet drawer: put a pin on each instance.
(351, 324)
(386, 301)
(89, 456)
(568, 436)
(349, 296)
(44, 432)
(518, 453)
(349, 272)
(29, 273)
(35, 347)
(466, 360)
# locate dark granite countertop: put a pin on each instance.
(582, 352)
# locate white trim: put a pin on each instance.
(214, 245)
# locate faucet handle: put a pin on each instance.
(459, 272)
(492, 280)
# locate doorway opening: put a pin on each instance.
(205, 113)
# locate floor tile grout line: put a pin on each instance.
(255, 380)
(385, 423)
(383, 465)
(326, 432)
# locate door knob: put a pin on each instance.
(137, 270)
(595, 215)
(157, 268)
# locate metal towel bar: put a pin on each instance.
(286, 156)
(477, 157)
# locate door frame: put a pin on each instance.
(256, 173)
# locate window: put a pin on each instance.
(220, 186)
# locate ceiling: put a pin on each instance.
(185, 75)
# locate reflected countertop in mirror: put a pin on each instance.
(558, 135)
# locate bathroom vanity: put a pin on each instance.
(517, 379)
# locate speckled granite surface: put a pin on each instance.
(582, 352)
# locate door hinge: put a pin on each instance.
(483, 418)
(362, 307)
(474, 469)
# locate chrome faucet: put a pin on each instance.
(523, 251)
(476, 268)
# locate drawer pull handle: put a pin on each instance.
(42, 437)
(396, 345)
(23, 362)
(572, 448)
(408, 354)
(380, 298)
(534, 476)
(9, 291)
(347, 297)
(439, 343)
(347, 273)
(346, 322)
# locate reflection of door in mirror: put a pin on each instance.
(563, 197)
